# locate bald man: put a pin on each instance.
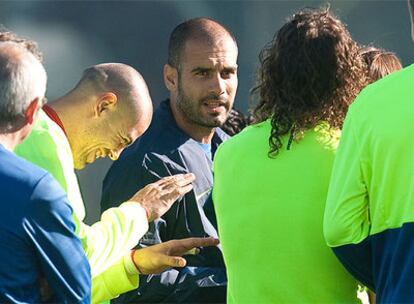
(107, 110)
(201, 76)
(37, 233)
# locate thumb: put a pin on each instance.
(174, 261)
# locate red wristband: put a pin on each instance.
(133, 261)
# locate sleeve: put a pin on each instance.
(51, 230)
(346, 219)
(118, 231)
(112, 282)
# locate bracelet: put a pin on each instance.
(133, 261)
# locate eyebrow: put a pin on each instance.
(200, 69)
(231, 68)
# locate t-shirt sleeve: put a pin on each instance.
(52, 232)
(346, 219)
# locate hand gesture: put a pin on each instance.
(157, 198)
(160, 257)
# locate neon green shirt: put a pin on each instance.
(372, 186)
(270, 212)
(105, 242)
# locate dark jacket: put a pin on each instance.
(162, 151)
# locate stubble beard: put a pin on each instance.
(191, 110)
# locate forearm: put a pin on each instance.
(119, 230)
(119, 278)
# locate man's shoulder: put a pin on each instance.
(45, 136)
(17, 172)
(396, 86)
(249, 134)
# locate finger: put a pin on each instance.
(173, 261)
(179, 180)
(180, 247)
(175, 189)
(165, 179)
(184, 190)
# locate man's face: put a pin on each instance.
(106, 139)
(207, 82)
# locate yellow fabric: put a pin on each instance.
(113, 282)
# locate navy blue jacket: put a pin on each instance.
(162, 151)
(37, 237)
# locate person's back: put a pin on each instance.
(369, 216)
(34, 208)
(277, 240)
(271, 180)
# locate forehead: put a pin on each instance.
(198, 53)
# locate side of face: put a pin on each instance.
(107, 133)
(206, 82)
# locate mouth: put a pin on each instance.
(215, 106)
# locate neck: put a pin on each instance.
(63, 107)
(198, 133)
(70, 118)
(10, 140)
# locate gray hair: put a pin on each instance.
(22, 79)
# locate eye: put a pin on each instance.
(227, 73)
(202, 73)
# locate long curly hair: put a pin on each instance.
(310, 72)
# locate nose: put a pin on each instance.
(218, 84)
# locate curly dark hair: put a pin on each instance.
(310, 72)
(31, 46)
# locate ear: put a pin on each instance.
(105, 102)
(170, 78)
(31, 111)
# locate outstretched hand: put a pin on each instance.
(160, 257)
(158, 197)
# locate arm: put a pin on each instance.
(121, 228)
(346, 213)
(150, 260)
(346, 219)
(51, 231)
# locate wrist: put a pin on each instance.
(132, 255)
(147, 211)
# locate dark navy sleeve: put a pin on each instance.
(52, 232)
